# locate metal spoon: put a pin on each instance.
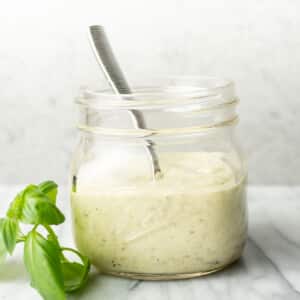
(118, 83)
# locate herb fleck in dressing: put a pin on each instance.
(191, 220)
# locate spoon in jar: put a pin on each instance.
(118, 83)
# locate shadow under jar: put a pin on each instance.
(187, 221)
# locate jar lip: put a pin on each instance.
(206, 91)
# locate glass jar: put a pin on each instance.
(184, 216)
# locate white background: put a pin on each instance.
(45, 57)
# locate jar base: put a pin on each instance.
(161, 277)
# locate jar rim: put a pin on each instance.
(207, 91)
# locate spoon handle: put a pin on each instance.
(107, 60)
(117, 81)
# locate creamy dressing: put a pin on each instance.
(191, 220)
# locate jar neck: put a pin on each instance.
(160, 111)
(158, 123)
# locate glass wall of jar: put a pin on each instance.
(187, 220)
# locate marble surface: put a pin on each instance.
(45, 57)
(268, 270)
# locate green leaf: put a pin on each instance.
(38, 209)
(16, 207)
(50, 189)
(33, 206)
(42, 261)
(53, 238)
(50, 272)
(75, 274)
(10, 231)
(3, 251)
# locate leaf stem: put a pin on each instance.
(51, 231)
(74, 251)
(21, 239)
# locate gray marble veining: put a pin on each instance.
(268, 270)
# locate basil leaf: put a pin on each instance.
(10, 230)
(33, 206)
(16, 207)
(50, 189)
(3, 250)
(75, 274)
(53, 239)
(38, 209)
(41, 258)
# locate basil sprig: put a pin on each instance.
(50, 271)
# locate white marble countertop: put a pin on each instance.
(269, 269)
